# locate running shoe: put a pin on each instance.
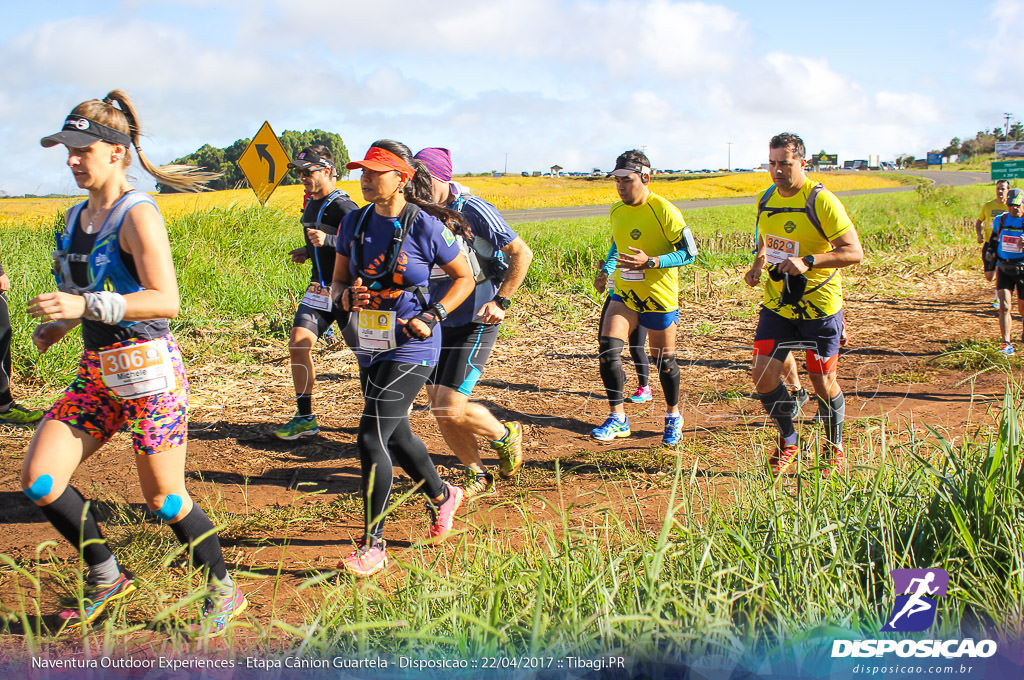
(298, 426)
(221, 606)
(96, 598)
(801, 398)
(612, 428)
(443, 518)
(365, 560)
(673, 430)
(478, 483)
(782, 458)
(16, 414)
(1006, 348)
(835, 463)
(510, 450)
(642, 395)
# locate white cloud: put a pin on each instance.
(567, 81)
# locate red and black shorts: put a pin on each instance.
(777, 336)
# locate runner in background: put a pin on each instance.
(805, 236)
(1007, 242)
(116, 278)
(499, 259)
(605, 283)
(991, 210)
(324, 208)
(11, 413)
(652, 240)
(386, 251)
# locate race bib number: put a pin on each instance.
(318, 297)
(1011, 244)
(778, 249)
(376, 330)
(631, 274)
(138, 370)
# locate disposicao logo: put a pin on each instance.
(913, 611)
(917, 596)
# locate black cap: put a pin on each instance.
(79, 132)
(307, 159)
(626, 168)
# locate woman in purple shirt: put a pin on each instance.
(384, 255)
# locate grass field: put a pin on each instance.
(773, 567)
(507, 193)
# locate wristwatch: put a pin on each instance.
(809, 261)
(441, 312)
(503, 302)
(652, 263)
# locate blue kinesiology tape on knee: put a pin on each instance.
(171, 507)
(40, 488)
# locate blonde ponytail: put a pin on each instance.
(124, 118)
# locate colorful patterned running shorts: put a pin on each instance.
(157, 423)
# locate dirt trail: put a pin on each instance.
(548, 380)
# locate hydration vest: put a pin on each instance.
(386, 278)
(486, 262)
(808, 209)
(1009, 240)
(106, 269)
(331, 198)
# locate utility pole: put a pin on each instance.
(506, 162)
(729, 165)
(1006, 126)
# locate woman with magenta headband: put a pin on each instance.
(115, 277)
(385, 252)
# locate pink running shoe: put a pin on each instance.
(365, 560)
(443, 518)
(642, 394)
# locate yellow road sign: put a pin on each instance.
(264, 163)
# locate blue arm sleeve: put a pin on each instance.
(677, 258)
(611, 261)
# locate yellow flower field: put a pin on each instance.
(507, 193)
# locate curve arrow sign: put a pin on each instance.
(261, 152)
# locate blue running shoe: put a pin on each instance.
(673, 430)
(1006, 349)
(612, 428)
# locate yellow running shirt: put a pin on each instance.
(792, 234)
(990, 211)
(655, 227)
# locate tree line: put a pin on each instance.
(225, 160)
(984, 142)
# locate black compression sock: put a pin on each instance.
(610, 363)
(305, 404)
(835, 414)
(205, 552)
(781, 407)
(66, 515)
(668, 375)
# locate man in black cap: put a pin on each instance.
(325, 207)
(1007, 242)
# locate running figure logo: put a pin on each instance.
(917, 599)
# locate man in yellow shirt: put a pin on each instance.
(990, 211)
(805, 237)
(652, 240)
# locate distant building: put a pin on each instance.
(556, 170)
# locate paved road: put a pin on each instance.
(951, 179)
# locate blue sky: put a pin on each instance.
(544, 81)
